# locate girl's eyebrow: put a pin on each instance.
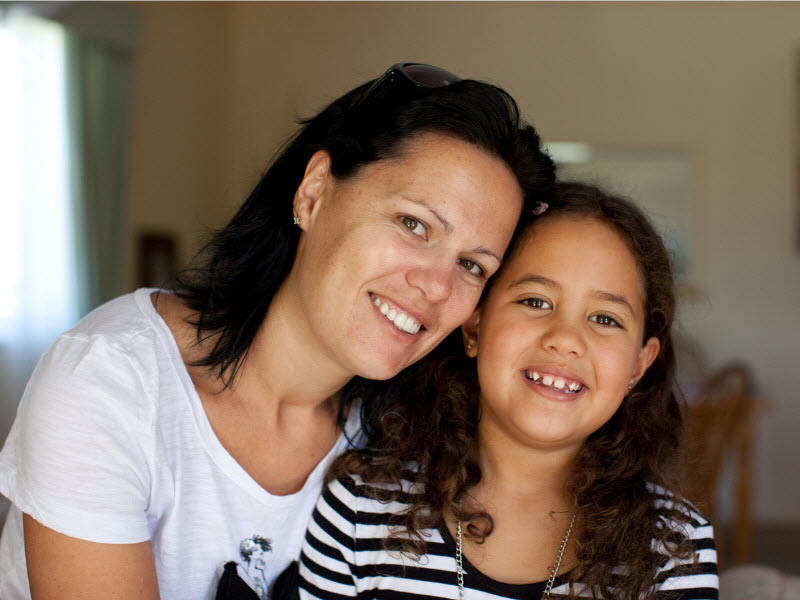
(529, 278)
(615, 299)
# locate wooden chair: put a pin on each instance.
(719, 427)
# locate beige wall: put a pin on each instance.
(218, 86)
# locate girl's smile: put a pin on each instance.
(559, 337)
(559, 384)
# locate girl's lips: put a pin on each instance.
(558, 379)
(553, 382)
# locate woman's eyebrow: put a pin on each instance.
(487, 252)
(419, 202)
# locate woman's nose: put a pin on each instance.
(564, 337)
(433, 278)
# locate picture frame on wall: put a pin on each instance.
(157, 259)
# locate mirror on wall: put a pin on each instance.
(657, 179)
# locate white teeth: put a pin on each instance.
(558, 383)
(405, 323)
(399, 319)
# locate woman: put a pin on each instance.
(168, 434)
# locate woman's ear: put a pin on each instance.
(310, 192)
(469, 332)
(647, 355)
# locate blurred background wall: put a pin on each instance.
(218, 86)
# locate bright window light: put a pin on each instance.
(37, 274)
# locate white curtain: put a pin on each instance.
(38, 291)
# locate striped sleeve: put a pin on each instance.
(344, 554)
(693, 578)
(327, 556)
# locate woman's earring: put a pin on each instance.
(297, 220)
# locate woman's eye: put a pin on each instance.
(538, 303)
(472, 267)
(414, 226)
(605, 320)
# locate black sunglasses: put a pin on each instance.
(420, 75)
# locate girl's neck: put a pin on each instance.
(524, 490)
(512, 472)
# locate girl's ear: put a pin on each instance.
(646, 357)
(316, 180)
(469, 331)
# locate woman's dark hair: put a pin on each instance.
(622, 471)
(238, 272)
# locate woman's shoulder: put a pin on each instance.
(114, 362)
(126, 333)
(118, 322)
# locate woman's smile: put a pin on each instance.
(401, 318)
(415, 236)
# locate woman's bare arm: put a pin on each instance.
(60, 566)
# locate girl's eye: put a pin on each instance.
(414, 226)
(538, 303)
(605, 321)
(472, 267)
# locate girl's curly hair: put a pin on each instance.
(430, 416)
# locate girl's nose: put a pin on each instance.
(564, 337)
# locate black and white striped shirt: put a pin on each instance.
(343, 556)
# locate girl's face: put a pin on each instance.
(559, 338)
(396, 257)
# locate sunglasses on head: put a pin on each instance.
(418, 74)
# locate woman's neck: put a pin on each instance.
(278, 417)
(286, 367)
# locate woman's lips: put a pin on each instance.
(396, 315)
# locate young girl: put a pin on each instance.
(551, 478)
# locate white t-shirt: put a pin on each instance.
(111, 444)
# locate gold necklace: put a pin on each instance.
(553, 571)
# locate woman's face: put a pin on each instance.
(395, 257)
(559, 337)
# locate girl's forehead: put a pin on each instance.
(567, 246)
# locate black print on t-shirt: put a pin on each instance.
(253, 551)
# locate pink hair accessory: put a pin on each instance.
(540, 208)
